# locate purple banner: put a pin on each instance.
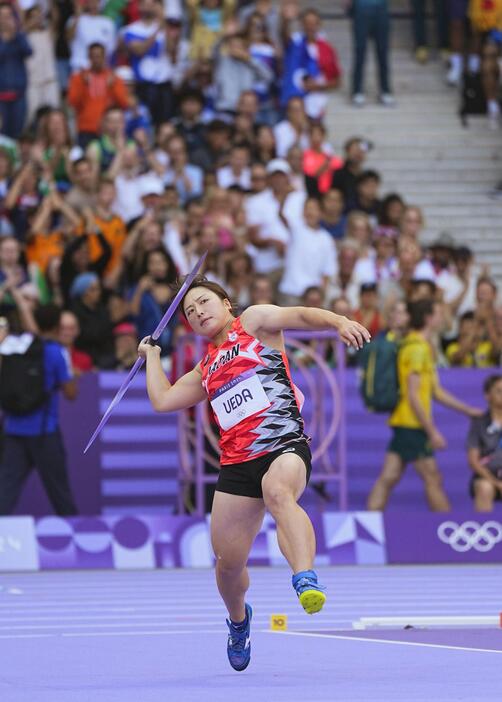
(458, 537)
(163, 541)
(159, 541)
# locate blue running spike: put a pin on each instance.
(310, 593)
(239, 643)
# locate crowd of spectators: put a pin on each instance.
(136, 135)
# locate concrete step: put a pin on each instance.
(447, 194)
(421, 149)
(467, 222)
(448, 168)
(490, 176)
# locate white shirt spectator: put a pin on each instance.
(424, 270)
(90, 29)
(468, 304)
(189, 184)
(366, 270)
(226, 177)
(262, 211)
(128, 203)
(311, 255)
(449, 284)
(172, 242)
(182, 63)
(286, 136)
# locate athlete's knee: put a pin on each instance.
(229, 566)
(389, 480)
(277, 497)
(483, 490)
(432, 478)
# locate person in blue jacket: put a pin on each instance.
(14, 50)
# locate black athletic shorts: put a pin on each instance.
(245, 478)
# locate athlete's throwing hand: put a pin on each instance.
(353, 333)
(145, 347)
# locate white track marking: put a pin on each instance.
(383, 641)
(164, 632)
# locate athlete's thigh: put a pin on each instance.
(235, 522)
(393, 466)
(427, 468)
(287, 472)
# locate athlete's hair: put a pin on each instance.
(418, 312)
(200, 281)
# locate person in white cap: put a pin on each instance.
(267, 215)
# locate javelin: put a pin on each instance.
(139, 362)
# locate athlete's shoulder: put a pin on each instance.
(253, 317)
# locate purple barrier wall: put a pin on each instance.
(132, 468)
(165, 541)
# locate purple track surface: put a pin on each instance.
(160, 636)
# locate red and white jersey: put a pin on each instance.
(255, 403)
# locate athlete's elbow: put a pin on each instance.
(158, 403)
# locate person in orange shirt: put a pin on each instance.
(113, 229)
(46, 241)
(92, 91)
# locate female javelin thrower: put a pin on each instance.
(265, 456)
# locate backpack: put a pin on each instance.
(22, 380)
(473, 100)
(379, 382)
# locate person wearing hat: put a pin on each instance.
(92, 91)
(125, 339)
(268, 214)
(95, 326)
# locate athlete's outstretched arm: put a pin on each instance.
(270, 319)
(186, 392)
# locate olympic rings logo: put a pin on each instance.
(470, 535)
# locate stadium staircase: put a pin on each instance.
(421, 148)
